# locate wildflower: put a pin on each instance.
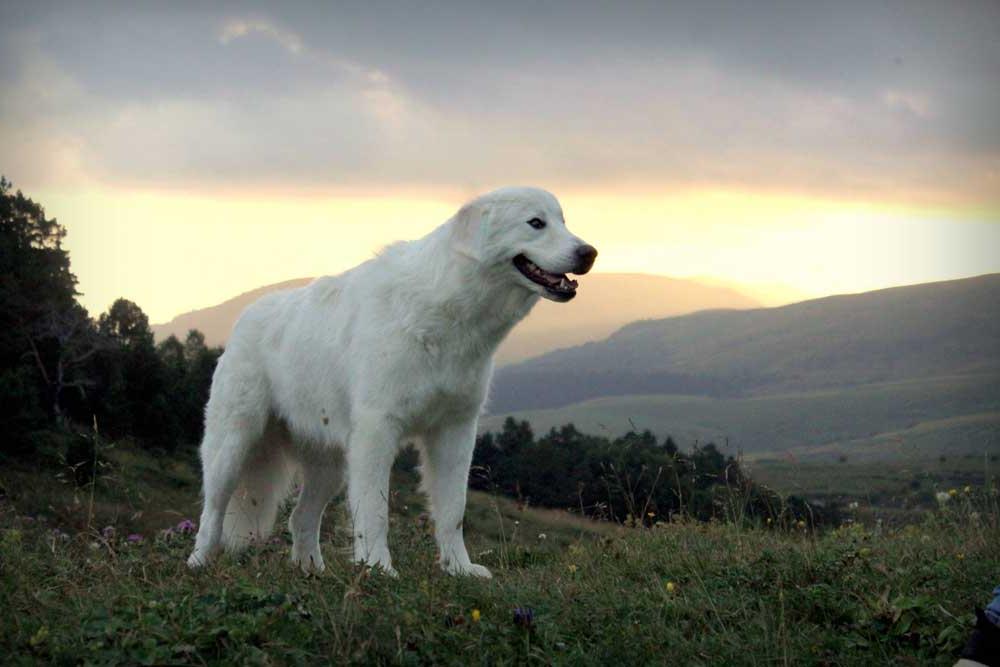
(952, 492)
(542, 536)
(650, 514)
(769, 521)
(801, 524)
(524, 617)
(942, 497)
(967, 489)
(167, 533)
(853, 506)
(671, 587)
(960, 556)
(39, 637)
(108, 532)
(572, 568)
(134, 538)
(475, 615)
(186, 526)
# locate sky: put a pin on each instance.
(196, 152)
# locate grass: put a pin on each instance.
(680, 593)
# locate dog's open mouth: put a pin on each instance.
(556, 284)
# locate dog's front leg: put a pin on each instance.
(445, 471)
(372, 446)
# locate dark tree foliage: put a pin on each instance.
(61, 372)
(633, 479)
(36, 289)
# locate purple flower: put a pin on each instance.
(134, 538)
(186, 526)
(524, 617)
(108, 532)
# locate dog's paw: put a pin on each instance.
(311, 563)
(197, 560)
(468, 570)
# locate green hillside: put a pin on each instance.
(954, 415)
(916, 332)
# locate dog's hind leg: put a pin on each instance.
(322, 479)
(447, 457)
(224, 456)
(371, 449)
(235, 418)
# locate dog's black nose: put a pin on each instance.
(585, 254)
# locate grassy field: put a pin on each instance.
(925, 418)
(680, 593)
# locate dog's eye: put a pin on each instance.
(537, 223)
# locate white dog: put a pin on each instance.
(330, 378)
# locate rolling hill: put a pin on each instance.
(912, 419)
(906, 333)
(606, 302)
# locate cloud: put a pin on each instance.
(852, 100)
(237, 28)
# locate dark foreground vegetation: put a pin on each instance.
(96, 575)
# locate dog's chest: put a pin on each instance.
(446, 389)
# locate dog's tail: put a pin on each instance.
(264, 485)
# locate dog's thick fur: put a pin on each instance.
(327, 381)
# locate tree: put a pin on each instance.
(201, 361)
(126, 323)
(138, 403)
(37, 310)
(62, 342)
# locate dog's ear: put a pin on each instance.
(468, 234)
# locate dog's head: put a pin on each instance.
(523, 230)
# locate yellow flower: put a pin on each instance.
(39, 637)
(801, 524)
(967, 489)
(960, 556)
(952, 492)
(671, 587)
(475, 615)
(572, 568)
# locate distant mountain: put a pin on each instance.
(920, 331)
(605, 302)
(216, 322)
